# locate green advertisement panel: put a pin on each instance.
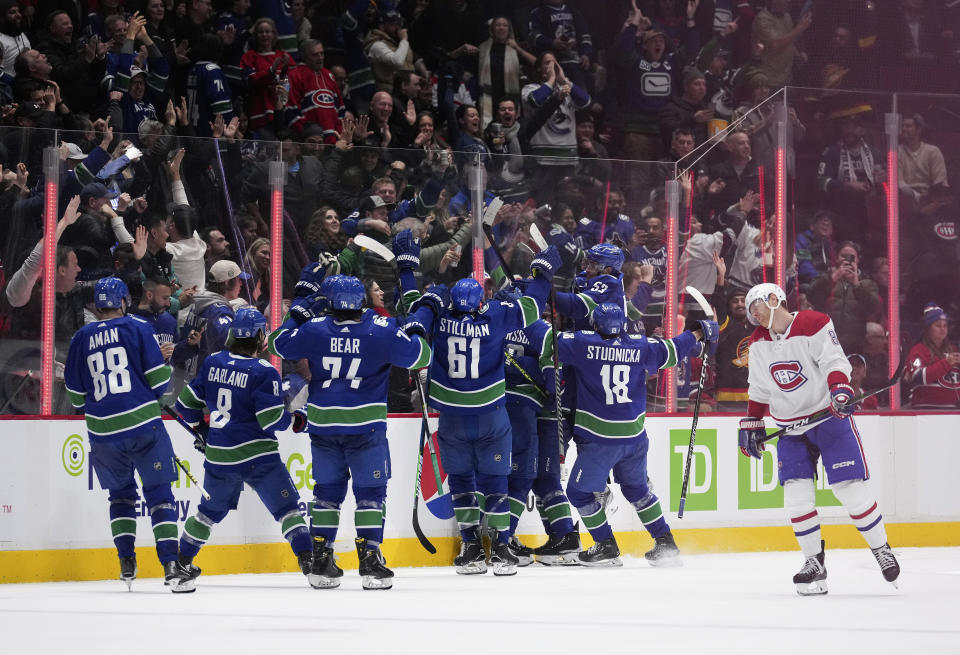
(758, 486)
(702, 488)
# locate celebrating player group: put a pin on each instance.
(495, 370)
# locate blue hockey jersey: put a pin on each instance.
(350, 368)
(532, 350)
(590, 293)
(115, 373)
(611, 380)
(245, 400)
(164, 324)
(208, 95)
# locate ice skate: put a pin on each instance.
(128, 570)
(192, 570)
(560, 550)
(373, 571)
(811, 580)
(305, 561)
(888, 564)
(178, 578)
(664, 552)
(324, 572)
(502, 559)
(471, 560)
(524, 554)
(602, 553)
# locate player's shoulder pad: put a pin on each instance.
(807, 323)
(760, 334)
(210, 66)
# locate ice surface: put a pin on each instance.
(732, 603)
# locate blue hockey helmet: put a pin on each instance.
(345, 292)
(109, 293)
(248, 322)
(606, 255)
(607, 319)
(466, 295)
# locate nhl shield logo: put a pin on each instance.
(788, 375)
(284, 493)
(157, 466)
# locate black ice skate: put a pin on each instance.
(602, 553)
(502, 559)
(178, 578)
(812, 578)
(324, 572)
(560, 550)
(373, 571)
(888, 563)
(664, 552)
(128, 570)
(471, 560)
(524, 554)
(305, 561)
(187, 563)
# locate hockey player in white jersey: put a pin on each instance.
(798, 368)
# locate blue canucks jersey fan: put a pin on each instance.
(115, 374)
(244, 397)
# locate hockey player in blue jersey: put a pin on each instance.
(608, 425)
(467, 387)
(350, 351)
(243, 395)
(115, 374)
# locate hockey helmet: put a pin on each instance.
(607, 319)
(248, 322)
(762, 292)
(345, 292)
(606, 255)
(466, 295)
(109, 293)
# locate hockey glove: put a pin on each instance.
(306, 309)
(310, 278)
(546, 263)
(436, 298)
(299, 420)
(710, 329)
(200, 437)
(840, 396)
(406, 247)
(751, 432)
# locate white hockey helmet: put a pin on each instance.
(763, 292)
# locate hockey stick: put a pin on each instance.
(425, 431)
(417, 530)
(823, 413)
(708, 310)
(514, 363)
(186, 426)
(375, 247)
(542, 245)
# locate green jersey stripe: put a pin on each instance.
(346, 416)
(588, 302)
(271, 339)
(477, 398)
(425, 356)
(671, 354)
(107, 425)
(226, 455)
(190, 399)
(78, 400)
(158, 376)
(269, 416)
(527, 391)
(609, 429)
(531, 312)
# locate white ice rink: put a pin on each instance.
(738, 603)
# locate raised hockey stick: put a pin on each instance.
(542, 245)
(425, 434)
(375, 247)
(186, 426)
(708, 310)
(823, 413)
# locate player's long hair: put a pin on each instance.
(245, 346)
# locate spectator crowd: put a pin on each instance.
(169, 118)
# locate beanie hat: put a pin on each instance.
(931, 314)
(691, 73)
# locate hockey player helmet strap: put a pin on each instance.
(762, 292)
(466, 295)
(109, 293)
(346, 293)
(606, 254)
(247, 323)
(607, 319)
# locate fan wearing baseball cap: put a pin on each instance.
(209, 317)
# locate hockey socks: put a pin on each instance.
(863, 509)
(295, 531)
(196, 531)
(123, 524)
(324, 519)
(369, 515)
(519, 489)
(554, 509)
(591, 513)
(496, 506)
(650, 513)
(799, 502)
(466, 508)
(163, 517)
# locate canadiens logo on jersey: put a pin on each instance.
(951, 380)
(321, 98)
(788, 375)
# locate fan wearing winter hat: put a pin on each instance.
(933, 365)
(690, 110)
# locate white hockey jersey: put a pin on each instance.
(790, 372)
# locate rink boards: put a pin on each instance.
(54, 523)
